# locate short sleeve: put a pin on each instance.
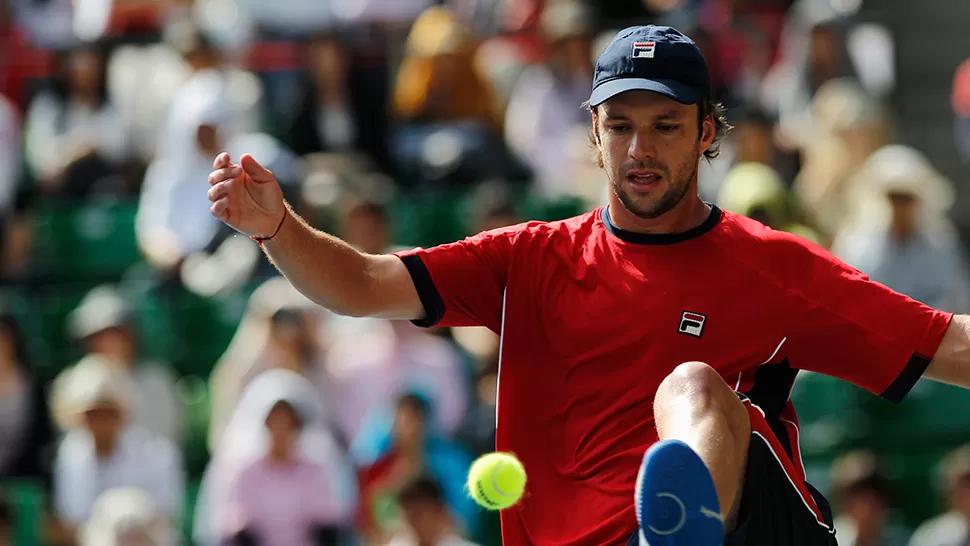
(844, 325)
(462, 283)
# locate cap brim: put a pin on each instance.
(680, 92)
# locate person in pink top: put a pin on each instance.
(280, 478)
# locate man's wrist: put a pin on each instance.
(279, 227)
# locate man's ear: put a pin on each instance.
(596, 128)
(708, 132)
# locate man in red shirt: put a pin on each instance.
(656, 322)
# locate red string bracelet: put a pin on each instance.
(261, 240)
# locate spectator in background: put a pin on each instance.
(127, 517)
(755, 190)
(280, 477)
(172, 221)
(901, 236)
(863, 495)
(848, 126)
(104, 326)
(953, 527)
(25, 424)
(429, 521)
(409, 450)
(478, 430)
(102, 450)
(75, 137)
(281, 329)
(373, 365)
(332, 114)
(544, 123)
(814, 52)
(438, 81)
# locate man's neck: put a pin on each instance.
(688, 214)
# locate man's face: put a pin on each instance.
(650, 146)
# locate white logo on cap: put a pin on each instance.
(644, 50)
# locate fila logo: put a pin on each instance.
(692, 324)
(644, 50)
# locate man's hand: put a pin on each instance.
(247, 196)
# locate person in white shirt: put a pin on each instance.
(101, 451)
(172, 222)
(102, 324)
(74, 136)
(953, 527)
(127, 516)
(428, 520)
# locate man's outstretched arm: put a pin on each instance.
(325, 269)
(951, 364)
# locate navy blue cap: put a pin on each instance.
(652, 58)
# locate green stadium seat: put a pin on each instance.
(830, 414)
(188, 514)
(932, 416)
(93, 241)
(28, 500)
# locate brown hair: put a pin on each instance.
(706, 109)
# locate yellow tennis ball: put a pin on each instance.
(496, 480)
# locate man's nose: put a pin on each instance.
(642, 147)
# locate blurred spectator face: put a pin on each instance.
(905, 212)
(409, 421)
(571, 58)
(327, 64)
(867, 508)
(104, 422)
(825, 54)
(85, 72)
(293, 331)
(424, 516)
(115, 343)
(284, 429)
(488, 388)
(659, 138)
(365, 227)
(755, 144)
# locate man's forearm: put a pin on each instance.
(951, 364)
(337, 276)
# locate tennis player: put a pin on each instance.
(648, 347)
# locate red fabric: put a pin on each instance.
(370, 479)
(961, 90)
(19, 63)
(590, 327)
(761, 431)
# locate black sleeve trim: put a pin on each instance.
(906, 379)
(434, 307)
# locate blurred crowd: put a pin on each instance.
(390, 123)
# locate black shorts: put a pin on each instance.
(778, 507)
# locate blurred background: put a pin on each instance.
(159, 385)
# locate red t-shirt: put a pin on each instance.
(593, 318)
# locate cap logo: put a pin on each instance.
(644, 50)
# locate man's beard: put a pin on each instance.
(677, 189)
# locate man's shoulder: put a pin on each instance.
(747, 235)
(538, 232)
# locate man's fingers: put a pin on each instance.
(256, 171)
(227, 173)
(222, 161)
(220, 209)
(220, 190)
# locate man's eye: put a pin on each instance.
(618, 128)
(667, 128)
